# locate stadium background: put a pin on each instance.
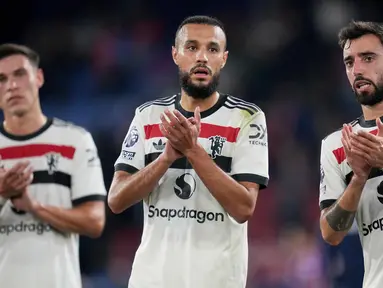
(103, 58)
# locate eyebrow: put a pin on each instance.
(361, 54)
(211, 43)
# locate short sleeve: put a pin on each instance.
(132, 156)
(87, 178)
(250, 161)
(332, 181)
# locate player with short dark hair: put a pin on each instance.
(352, 158)
(51, 182)
(197, 160)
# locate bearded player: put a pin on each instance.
(197, 160)
(352, 158)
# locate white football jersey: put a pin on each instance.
(67, 172)
(188, 239)
(335, 176)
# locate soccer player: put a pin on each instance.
(351, 183)
(198, 160)
(51, 183)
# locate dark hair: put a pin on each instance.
(201, 19)
(357, 29)
(10, 49)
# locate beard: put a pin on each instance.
(198, 91)
(370, 98)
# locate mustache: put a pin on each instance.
(200, 66)
(360, 78)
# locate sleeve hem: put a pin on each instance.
(245, 177)
(326, 203)
(126, 168)
(81, 200)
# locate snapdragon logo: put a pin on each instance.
(38, 228)
(198, 215)
(376, 225)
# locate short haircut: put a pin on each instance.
(10, 49)
(357, 29)
(201, 19)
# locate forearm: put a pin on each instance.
(73, 220)
(127, 191)
(337, 220)
(232, 196)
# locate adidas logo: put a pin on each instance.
(160, 145)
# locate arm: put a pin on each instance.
(337, 220)
(86, 219)
(127, 189)
(132, 181)
(238, 193)
(87, 215)
(337, 202)
(237, 199)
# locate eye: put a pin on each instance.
(348, 64)
(192, 48)
(368, 58)
(213, 50)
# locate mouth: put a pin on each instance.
(201, 71)
(362, 84)
(15, 98)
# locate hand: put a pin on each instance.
(358, 164)
(24, 202)
(171, 154)
(15, 180)
(369, 146)
(181, 133)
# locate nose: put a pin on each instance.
(202, 56)
(12, 84)
(358, 69)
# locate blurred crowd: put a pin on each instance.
(104, 58)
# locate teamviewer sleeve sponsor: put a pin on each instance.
(87, 181)
(250, 161)
(332, 181)
(132, 156)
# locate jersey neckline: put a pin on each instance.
(367, 123)
(27, 136)
(206, 113)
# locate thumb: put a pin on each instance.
(197, 114)
(379, 124)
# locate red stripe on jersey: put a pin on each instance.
(35, 150)
(207, 130)
(339, 152)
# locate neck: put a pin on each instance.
(190, 104)
(24, 125)
(372, 112)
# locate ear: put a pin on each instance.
(225, 55)
(175, 55)
(40, 77)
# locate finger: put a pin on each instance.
(176, 131)
(181, 118)
(368, 136)
(173, 121)
(197, 115)
(362, 142)
(19, 167)
(192, 120)
(166, 133)
(345, 146)
(361, 154)
(346, 139)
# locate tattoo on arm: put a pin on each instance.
(339, 219)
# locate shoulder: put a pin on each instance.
(71, 130)
(241, 105)
(333, 140)
(157, 103)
